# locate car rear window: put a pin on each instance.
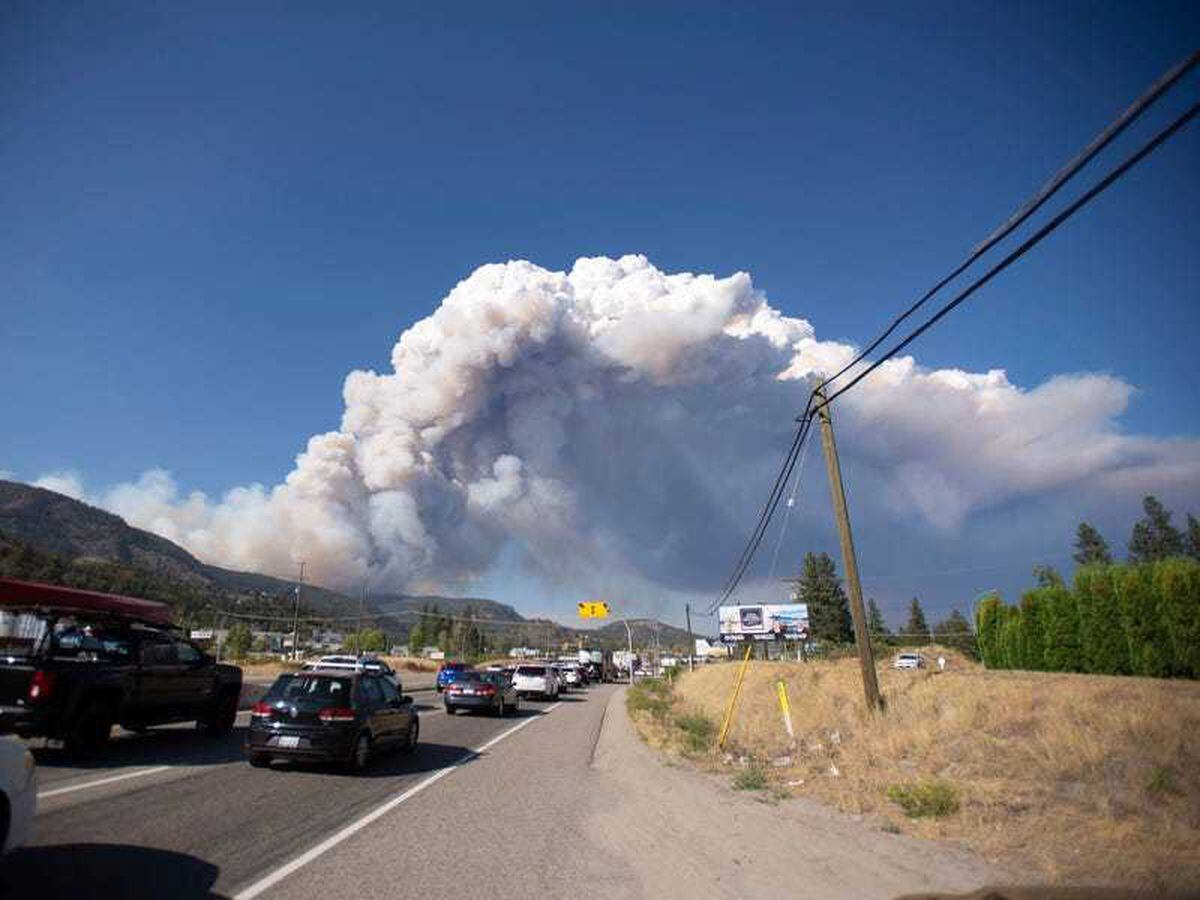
(323, 688)
(532, 670)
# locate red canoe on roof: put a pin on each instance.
(15, 595)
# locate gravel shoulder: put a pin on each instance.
(681, 833)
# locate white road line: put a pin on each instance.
(353, 828)
(56, 792)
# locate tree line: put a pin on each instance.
(829, 614)
(1139, 617)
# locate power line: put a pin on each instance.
(1160, 87)
(1038, 236)
(1034, 203)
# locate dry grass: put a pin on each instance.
(1086, 779)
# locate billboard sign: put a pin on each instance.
(764, 622)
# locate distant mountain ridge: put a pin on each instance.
(78, 533)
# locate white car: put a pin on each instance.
(539, 679)
(18, 794)
(569, 673)
(908, 661)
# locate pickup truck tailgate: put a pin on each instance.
(15, 676)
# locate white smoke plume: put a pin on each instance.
(617, 418)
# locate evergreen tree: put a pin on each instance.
(237, 641)
(1090, 546)
(1010, 638)
(1142, 617)
(954, 631)
(917, 629)
(1154, 537)
(1047, 576)
(881, 636)
(1177, 585)
(1104, 646)
(828, 609)
(1061, 636)
(1192, 542)
(1033, 630)
(989, 622)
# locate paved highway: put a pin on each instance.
(174, 814)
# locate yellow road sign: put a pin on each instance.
(593, 609)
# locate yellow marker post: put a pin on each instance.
(785, 708)
(737, 689)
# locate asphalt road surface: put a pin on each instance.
(172, 813)
(561, 800)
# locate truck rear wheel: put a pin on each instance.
(220, 719)
(89, 733)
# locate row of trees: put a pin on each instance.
(458, 635)
(1153, 538)
(1120, 619)
(830, 622)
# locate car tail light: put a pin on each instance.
(336, 714)
(42, 685)
(261, 709)
(486, 689)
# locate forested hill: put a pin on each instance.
(46, 536)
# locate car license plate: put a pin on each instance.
(289, 741)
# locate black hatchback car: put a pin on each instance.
(331, 716)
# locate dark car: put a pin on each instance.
(488, 691)
(74, 663)
(331, 716)
(449, 671)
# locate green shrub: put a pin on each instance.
(698, 730)
(932, 797)
(1177, 585)
(1061, 633)
(751, 779)
(1145, 630)
(1162, 781)
(1105, 649)
(650, 696)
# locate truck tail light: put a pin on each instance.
(42, 685)
(336, 714)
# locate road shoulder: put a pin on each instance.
(686, 833)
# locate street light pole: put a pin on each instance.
(296, 616)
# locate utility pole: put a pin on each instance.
(849, 562)
(362, 602)
(296, 616)
(687, 610)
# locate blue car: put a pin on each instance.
(449, 672)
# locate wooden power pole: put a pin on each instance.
(687, 608)
(862, 639)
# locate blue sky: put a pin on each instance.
(213, 214)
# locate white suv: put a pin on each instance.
(540, 679)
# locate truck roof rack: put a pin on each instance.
(34, 596)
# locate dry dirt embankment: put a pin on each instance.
(1074, 779)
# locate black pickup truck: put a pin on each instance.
(74, 663)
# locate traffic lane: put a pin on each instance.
(510, 824)
(162, 747)
(169, 745)
(239, 819)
